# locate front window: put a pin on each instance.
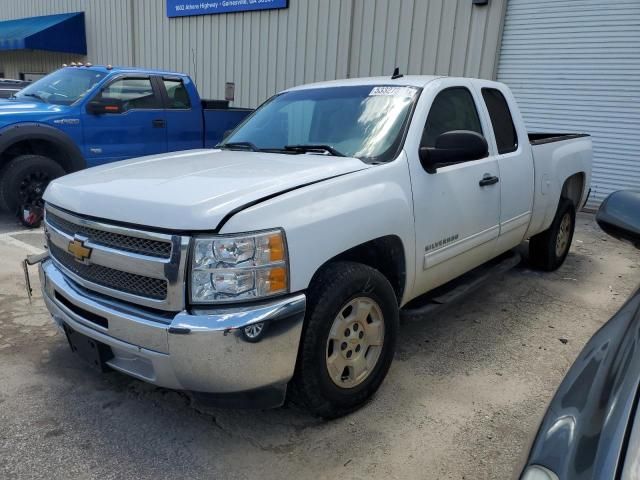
(366, 122)
(62, 87)
(132, 93)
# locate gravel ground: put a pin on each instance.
(462, 400)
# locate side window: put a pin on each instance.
(134, 93)
(177, 95)
(503, 127)
(452, 109)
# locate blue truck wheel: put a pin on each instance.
(24, 179)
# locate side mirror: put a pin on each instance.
(619, 216)
(454, 147)
(104, 105)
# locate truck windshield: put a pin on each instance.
(366, 122)
(62, 87)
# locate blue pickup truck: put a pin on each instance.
(82, 116)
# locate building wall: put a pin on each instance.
(264, 52)
(576, 68)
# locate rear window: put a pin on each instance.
(177, 94)
(503, 126)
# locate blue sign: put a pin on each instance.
(185, 8)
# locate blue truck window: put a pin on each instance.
(134, 93)
(177, 95)
(63, 87)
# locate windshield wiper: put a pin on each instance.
(239, 146)
(314, 149)
(34, 95)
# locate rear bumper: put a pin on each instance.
(203, 351)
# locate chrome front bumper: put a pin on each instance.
(202, 351)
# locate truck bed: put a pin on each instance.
(218, 118)
(542, 138)
(556, 156)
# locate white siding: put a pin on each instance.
(264, 52)
(575, 66)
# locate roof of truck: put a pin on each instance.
(115, 69)
(404, 81)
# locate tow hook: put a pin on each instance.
(26, 263)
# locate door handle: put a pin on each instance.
(489, 180)
(159, 123)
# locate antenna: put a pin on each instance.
(396, 74)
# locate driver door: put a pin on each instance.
(457, 214)
(138, 129)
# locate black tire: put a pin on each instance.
(543, 253)
(24, 179)
(330, 292)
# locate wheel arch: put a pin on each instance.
(40, 139)
(573, 189)
(385, 254)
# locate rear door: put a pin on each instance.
(138, 129)
(456, 213)
(185, 128)
(510, 148)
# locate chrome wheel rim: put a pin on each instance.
(254, 331)
(355, 342)
(562, 240)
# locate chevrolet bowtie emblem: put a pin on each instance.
(78, 250)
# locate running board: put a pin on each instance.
(461, 286)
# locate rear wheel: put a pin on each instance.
(549, 249)
(23, 182)
(348, 341)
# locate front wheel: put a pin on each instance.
(23, 182)
(549, 249)
(348, 341)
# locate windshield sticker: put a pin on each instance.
(405, 92)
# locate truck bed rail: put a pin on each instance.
(542, 138)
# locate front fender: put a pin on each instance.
(14, 133)
(330, 217)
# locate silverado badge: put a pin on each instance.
(78, 250)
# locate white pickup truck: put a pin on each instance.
(278, 263)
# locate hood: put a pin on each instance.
(191, 190)
(16, 107)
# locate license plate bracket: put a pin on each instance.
(90, 350)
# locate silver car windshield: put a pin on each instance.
(365, 122)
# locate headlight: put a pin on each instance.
(536, 472)
(239, 267)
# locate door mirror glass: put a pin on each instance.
(619, 216)
(104, 105)
(453, 147)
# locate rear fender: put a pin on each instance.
(555, 163)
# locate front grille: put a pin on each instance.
(108, 277)
(141, 246)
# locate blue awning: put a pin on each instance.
(56, 33)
